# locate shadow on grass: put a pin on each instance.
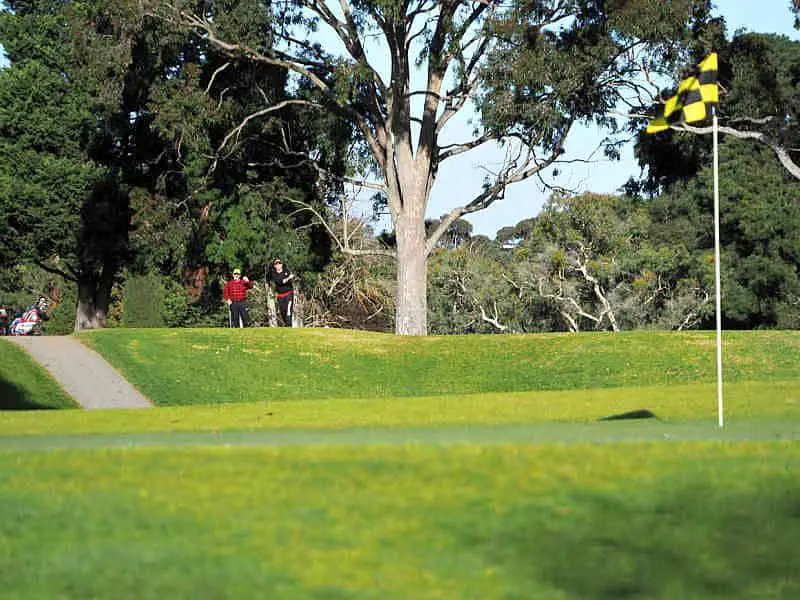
(13, 397)
(689, 542)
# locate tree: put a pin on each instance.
(534, 69)
(60, 145)
(592, 261)
(760, 101)
(110, 154)
(759, 218)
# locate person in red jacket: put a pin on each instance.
(235, 294)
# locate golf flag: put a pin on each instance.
(690, 103)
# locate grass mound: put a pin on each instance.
(208, 366)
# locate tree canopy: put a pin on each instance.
(533, 69)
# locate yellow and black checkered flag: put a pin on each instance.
(690, 103)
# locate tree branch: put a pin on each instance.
(780, 151)
(56, 271)
(294, 66)
(510, 173)
(343, 242)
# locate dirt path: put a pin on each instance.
(82, 372)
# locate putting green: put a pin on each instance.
(644, 430)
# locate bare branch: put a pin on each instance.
(510, 173)
(494, 321)
(260, 113)
(580, 259)
(214, 76)
(294, 66)
(780, 151)
(71, 276)
(343, 243)
(451, 150)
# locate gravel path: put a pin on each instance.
(83, 373)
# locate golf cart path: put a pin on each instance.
(84, 374)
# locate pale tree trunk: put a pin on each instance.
(411, 298)
(298, 304)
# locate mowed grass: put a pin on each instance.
(26, 385)
(193, 499)
(753, 401)
(711, 521)
(217, 366)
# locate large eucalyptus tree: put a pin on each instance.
(400, 70)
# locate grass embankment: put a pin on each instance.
(552, 522)
(207, 366)
(25, 385)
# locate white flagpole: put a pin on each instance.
(717, 270)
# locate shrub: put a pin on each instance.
(143, 302)
(62, 315)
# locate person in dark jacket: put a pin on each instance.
(284, 290)
(235, 294)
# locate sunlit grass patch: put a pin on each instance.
(744, 401)
(218, 366)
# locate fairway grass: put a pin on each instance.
(650, 521)
(745, 401)
(219, 366)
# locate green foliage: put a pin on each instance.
(62, 315)
(759, 217)
(143, 302)
(541, 79)
(60, 198)
(112, 135)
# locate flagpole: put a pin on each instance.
(717, 270)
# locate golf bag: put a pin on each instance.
(30, 323)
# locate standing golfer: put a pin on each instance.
(284, 290)
(235, 294)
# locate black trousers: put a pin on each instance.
(285, 304)
(239, 313)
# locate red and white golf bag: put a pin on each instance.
(28, 324)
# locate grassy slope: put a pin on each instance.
(26, 385)
(208, 366)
